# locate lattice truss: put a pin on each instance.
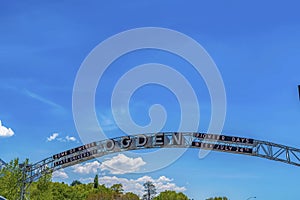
(277, 152)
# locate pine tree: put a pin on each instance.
(96, 181)
(150, 190)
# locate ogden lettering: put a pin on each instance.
(109, 145)
(177, 138)
(141, 140)
(159, 139)
(126, 142)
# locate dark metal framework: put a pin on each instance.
(2, 163)
(229, 144)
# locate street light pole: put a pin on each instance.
(251, 198)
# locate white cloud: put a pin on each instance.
(87, 168)
(136, 185)
(5, 132)
(164, 179)
(52, 137)
(68, 138)
(121, 164)
(60, 174)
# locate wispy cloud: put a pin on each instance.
(42, 99)
(72, 139)
(55, 136)
(52, 137)
(5, 132)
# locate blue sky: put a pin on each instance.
(255, 46)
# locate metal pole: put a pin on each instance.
(251, 198)
(24, 183)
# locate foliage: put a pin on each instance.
(42, 188)
(45, 189)
(75, 182)
(150, 190)
(96, 181)
(118, 188)
(10, 177)
(130, 196)
(171, 195)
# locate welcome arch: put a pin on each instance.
(214, 142)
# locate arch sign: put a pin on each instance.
(215, 142)
(158, 140)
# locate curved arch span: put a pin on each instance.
(214, 142)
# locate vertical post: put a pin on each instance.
(23, 184)
(299, 91)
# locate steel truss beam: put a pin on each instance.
(277, 152)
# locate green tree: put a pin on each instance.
(42, 188)
(118, 188)
(101, 192)
(150, 190)
(96, 181)
(45, 189)
(11, 179)
(171, 195)
(59, 191)
(75, 182)
(100, 196)
(81, 191)
(130, 196)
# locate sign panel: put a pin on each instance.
(74, 150)
(224, 138)
(74, 158)
(220, 147)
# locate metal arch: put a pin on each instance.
(83, 153)
(223, 143)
